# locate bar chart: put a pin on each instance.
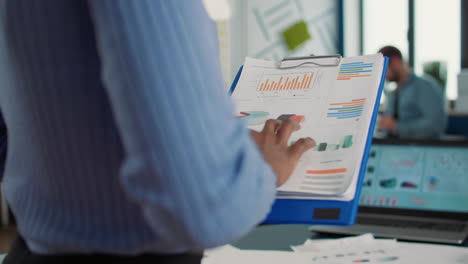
(285, 82)
(344, 110)
(327, 172)
(325, 180)
(354, 70)
(343, 143)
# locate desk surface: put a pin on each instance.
(274, 237)
(280, 237)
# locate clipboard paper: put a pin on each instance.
(336, 102)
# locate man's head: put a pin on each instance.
(396, 65)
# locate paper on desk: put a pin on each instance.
(367, 249)
(390, 252)
(363, 248)
(346, 245)
(402, 254)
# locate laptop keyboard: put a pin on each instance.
(445, 227)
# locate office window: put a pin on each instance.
(435, 30)
(437, 40)
(385, 22)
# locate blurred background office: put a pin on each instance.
(429, 34)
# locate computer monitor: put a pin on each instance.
(417, 175)
(413, 190)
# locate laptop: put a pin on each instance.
(413, 190)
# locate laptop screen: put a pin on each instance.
(417, 175)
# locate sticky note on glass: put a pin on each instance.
(296, 35)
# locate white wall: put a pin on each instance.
(256, 26)
(352, 32)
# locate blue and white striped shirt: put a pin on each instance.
(121, 137)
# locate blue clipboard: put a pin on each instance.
(323, 212)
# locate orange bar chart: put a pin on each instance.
(330, 171)
(283, 83)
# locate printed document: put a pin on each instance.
(333, 101)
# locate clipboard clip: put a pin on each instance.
(310, 60)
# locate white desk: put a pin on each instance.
(281, 237)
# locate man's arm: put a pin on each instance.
(430, 101)
(191, 165)
(390, 106)
(386, 120)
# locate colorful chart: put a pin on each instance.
(388, 183)
(254, 117)
(298, 118)
(433, 181)
(409, 185)
(354, 70)
(327, 172)
(347, 109)
(328, 180)
(344, 143)
(285, 82)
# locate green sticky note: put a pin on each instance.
(296, 35)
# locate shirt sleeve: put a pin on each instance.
(430, 102)
(190, 164)
(390, 107)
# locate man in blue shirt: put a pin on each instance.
(416, 108)
(122, 144)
